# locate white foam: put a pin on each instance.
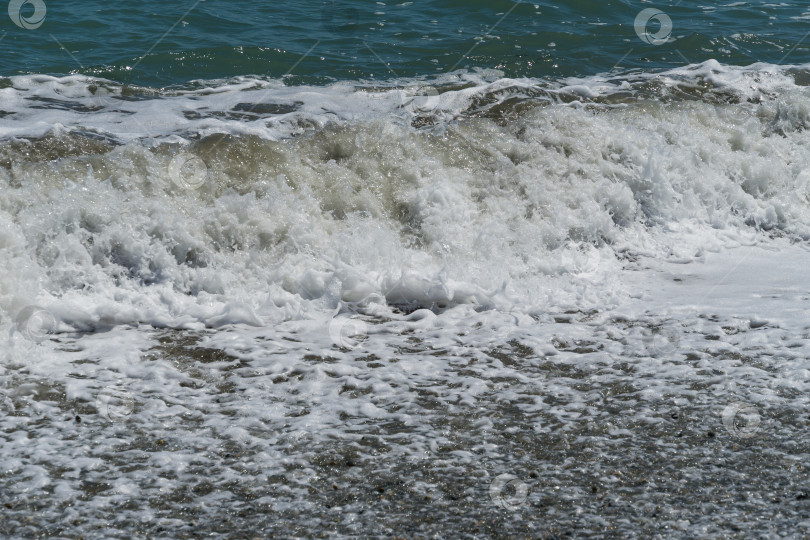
(272, 110)
(533, 214)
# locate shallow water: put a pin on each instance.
(605, 423)
(418, 269)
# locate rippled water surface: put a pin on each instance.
(404, 269)
(163, 43)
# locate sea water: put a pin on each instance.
(431, 268)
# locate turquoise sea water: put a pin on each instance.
(166, 43)
(429, 269)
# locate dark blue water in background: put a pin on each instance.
(169, 43)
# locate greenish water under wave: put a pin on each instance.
(461, 306)
(169, 43)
